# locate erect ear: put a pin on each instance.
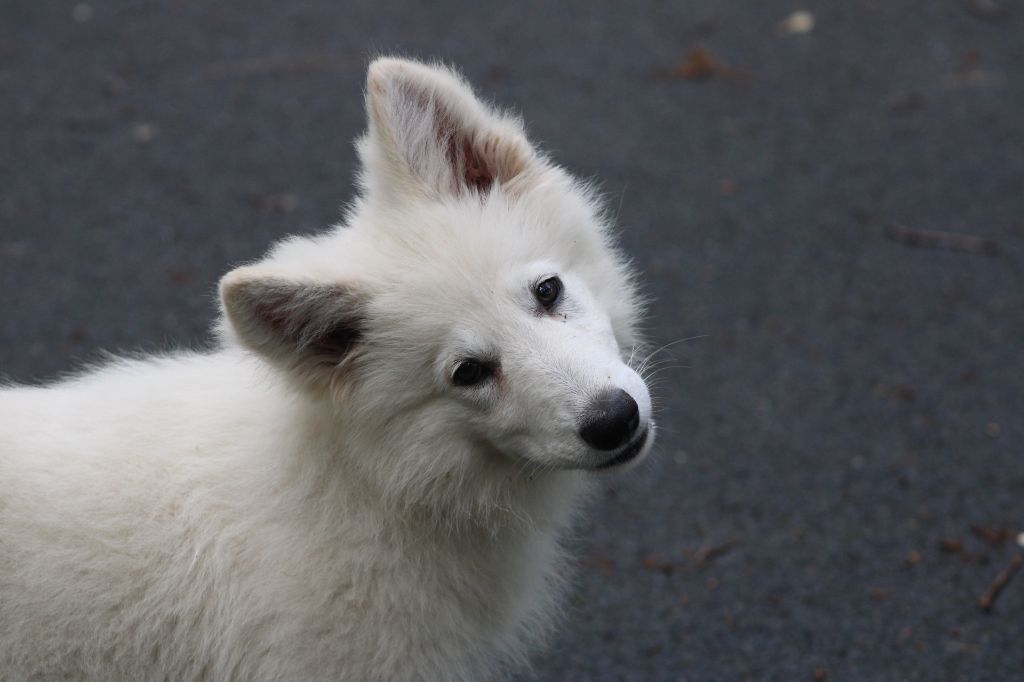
(429, 134)
(311, 328)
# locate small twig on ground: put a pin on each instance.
(653, 563)
(932, 239)
(697, 65)
(700, 65)
(951, 545)
(706, 555)
(956, 546)
(988, 597)
(997, 537)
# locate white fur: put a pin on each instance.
(314, 499)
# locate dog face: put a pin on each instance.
(509, 328)
(472, 313)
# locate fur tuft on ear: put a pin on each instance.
(429, 134)
(305, 327)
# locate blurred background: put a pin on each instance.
(829, 194)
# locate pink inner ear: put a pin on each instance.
(475, 172)
(468, 166)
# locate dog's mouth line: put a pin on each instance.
(630, 452)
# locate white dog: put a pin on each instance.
(368, 478)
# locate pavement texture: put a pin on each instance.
(840, 472)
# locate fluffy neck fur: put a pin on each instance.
(483, 541)
(240, 519)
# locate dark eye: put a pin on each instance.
(470, 372)
(548, 291)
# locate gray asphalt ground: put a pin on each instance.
(857, 400)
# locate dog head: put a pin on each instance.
(471, 313)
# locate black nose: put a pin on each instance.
(611, 420)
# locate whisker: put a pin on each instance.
(669, 345)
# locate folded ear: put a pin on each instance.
(429, 134)
(309, 328)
